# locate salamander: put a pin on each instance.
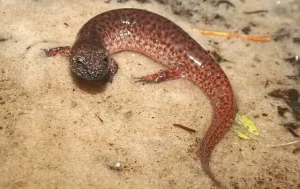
(162, 40)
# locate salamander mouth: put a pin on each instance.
(95, 75)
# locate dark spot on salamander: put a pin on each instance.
(147, 22)
(153, 26)
(190, 48)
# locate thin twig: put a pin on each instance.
(184, 127)
(255, 12)
(224, 2)
(286, 144)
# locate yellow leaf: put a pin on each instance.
(242, 135)
(247, 123)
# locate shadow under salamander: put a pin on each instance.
(92, 87)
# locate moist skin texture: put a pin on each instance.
(162, 40)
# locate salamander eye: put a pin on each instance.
(79, 60)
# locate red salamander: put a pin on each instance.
(163, 41)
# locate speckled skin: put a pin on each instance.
(160, 39)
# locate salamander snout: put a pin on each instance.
(89, 62)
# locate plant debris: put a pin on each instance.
(185, 128)
(228, 3)
(246, 128)
(281, 34)
(219, 17)
(143, 1)
(286, 144)
(246, 30)
(289, 94)
(122, 1)
(291, 125)
(267, 83)
(292, 131)
(293, 60)
(163, 2)
(227, 34)
(255, 12)
(282, 110)
(3, 39)
(291, 97)
(99, 118)
(296, 40)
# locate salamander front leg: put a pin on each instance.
(63, 51)
(113, 69)
(161, 76)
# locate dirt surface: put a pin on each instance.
(53, 134)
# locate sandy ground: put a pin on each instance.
(55, 135)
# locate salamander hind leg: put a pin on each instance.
(161, 76)
(63, 51)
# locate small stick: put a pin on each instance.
(185, 128)
(99, 117)
(255, 12)
(267, 83)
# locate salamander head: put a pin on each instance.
(89, 61)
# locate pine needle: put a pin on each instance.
(228, 34)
